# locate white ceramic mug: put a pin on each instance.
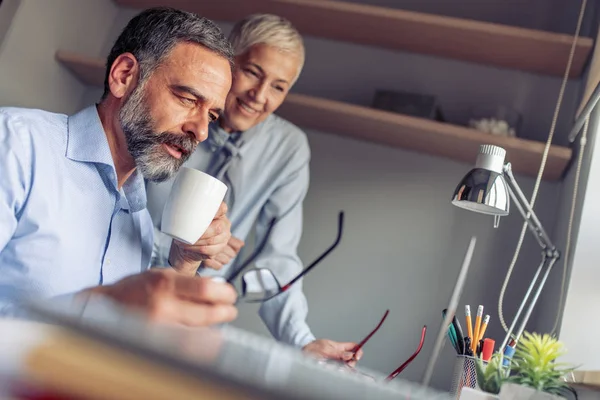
(192, 205)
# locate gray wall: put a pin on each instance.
(580, 326)
(403, 242)
(8, 8)
(578, 265)
(30, 75)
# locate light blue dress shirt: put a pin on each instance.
(64, 224)
(267, 175)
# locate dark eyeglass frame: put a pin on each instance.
(305, 271)
(407, 362)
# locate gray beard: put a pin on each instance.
(145, 144)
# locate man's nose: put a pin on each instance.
(197, 126)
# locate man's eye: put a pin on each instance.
(187, 101)
(213, 117)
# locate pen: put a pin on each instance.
(508, 354)
(486, 320)
(477, 326)
(468, 351)
(479, 348)
(488, 349)
(469, 323)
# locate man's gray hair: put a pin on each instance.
(153, 33)
(268, 29)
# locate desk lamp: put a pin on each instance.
(486, 189)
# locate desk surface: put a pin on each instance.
(246, 363)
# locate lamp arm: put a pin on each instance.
(528, 214)
(549, 256)
(585, 113)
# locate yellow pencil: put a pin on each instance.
(469, 323)
(486, 320)
(476, 328)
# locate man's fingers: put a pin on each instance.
(209, 251)
(178, 311)
(229, 252)
(223, 258)
(204, 290)
(349, 346)
(222, 210)
(358, 354)
(212, 264)
(217, 233)
(219, 239)
(193, 314)
(236, 244)
(217, 261)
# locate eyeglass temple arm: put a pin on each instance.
(366, 339)
(255, 253)
(322, 256)
(416, 353)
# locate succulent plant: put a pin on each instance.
(534, 363)
(491, 377)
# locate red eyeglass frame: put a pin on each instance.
(407, 362)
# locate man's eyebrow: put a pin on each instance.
(189, 90)
(193, 92)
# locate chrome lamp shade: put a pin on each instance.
(484, 189)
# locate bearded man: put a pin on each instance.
(73, 217)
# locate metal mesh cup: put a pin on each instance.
(465, 374)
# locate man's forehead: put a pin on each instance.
(200, 69)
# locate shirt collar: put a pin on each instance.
(135, 191)
(87, 143)
(217, 136)
(86, 138)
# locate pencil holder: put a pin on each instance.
(465, 374)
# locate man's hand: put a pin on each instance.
(231, 250)
(328, 349)
(168, 296)
(186, 259)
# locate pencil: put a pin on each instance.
(486, 320)
(469, 323)
(476, 328)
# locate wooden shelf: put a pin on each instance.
(462, 39)
(391, 129)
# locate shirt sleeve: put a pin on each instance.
(15, 172)
(160, 249)
(14, 178)
(285, 315)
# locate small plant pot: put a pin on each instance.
(511, 391)
(468, 393)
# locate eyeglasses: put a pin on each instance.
(405, 364)
(261, 284)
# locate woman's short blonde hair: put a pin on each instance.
(268, 29)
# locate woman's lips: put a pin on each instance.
(245, 108)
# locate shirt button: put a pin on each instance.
(108, 261)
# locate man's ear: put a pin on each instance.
(123, 75)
